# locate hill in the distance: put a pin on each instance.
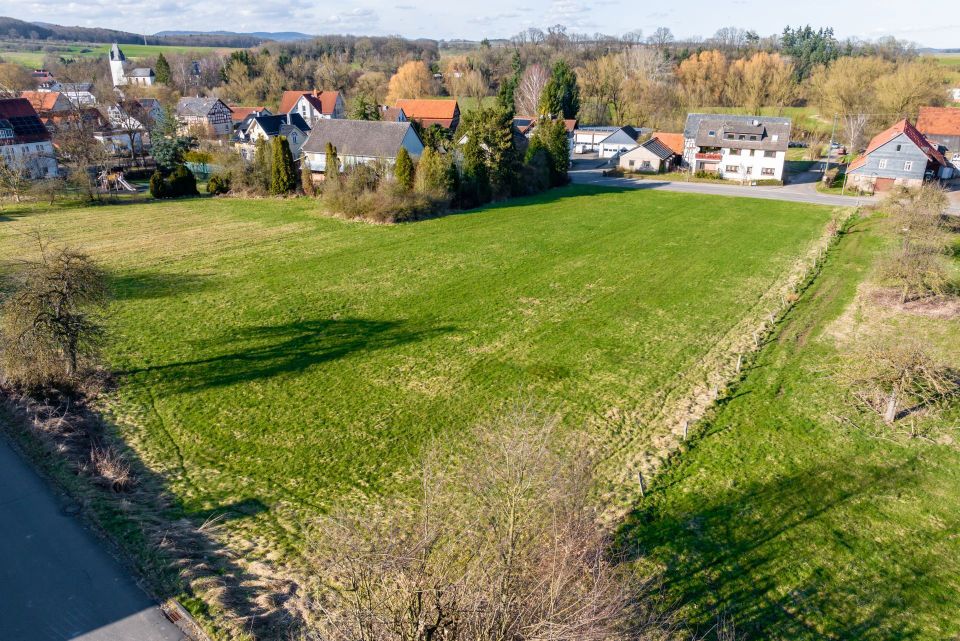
(279, 36)
(44, 31)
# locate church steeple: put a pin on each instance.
(116, 54)
(116, 66)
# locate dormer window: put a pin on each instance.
(712, 133)
(6, 133)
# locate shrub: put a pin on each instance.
(403, 170)
(181, 182)
(158, 186)
(218, 184)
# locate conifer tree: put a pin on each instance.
(403, 170)
(162, 71)
(283, 177)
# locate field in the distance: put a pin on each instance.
(269, 355)
(29, 56)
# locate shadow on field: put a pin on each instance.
(256, 353)
(734, 552)
(146, 285)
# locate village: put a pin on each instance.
(483, 332)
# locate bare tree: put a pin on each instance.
(507, 548)
(529, 89)
(661, 38)
(51, 321)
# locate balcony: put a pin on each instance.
(711, 156)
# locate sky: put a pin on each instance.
(931, 24)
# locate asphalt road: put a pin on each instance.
(57, 581)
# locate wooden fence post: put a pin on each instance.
(643, 487)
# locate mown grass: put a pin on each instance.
(269, 355)
(800, 526)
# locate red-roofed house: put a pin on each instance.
(673, 142)
(941, 126)
(313, 105)
(427, 112)
(25, 142)
(47, 101)
(901, 155)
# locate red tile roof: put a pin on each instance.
(323, 101)
(41, 100)
(943, 121)
(673, 142)
(239, 113)
(429, 111)
(903, 127)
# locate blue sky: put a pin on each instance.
(935, 24)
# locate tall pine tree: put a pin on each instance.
(403, 170)
(162, 71)
(283, 175)
(561, 95)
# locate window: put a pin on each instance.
(749, 170)
(882, 164)
(729, 136)
(908, 165)
(712, 133)
(899, 147)
(767, 171)
(631, 163)
(775, 137)
(753, 137)
(742, 137)
(733, 169)
(734, 152)
(769, 154)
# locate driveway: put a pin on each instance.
(804, 192)
(57, 581)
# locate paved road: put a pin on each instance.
(800, 192)
(57, 582)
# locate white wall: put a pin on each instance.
(758, 162)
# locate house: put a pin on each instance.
(43, 80)
(652, 157)
(736, 147)
(45, 102)
(360, 142)
(79, 93)
(901, 155)
(672, 141)
(268, 127)
(392, 114)
(428, 112)
(141, 76)
(24, 141)
(243, 115)
(135, 116)
(210, 116)
(941, 126)
(313, 105)
(606, 141)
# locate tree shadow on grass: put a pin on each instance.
(262, 352)
(752, 553)
(144, 285)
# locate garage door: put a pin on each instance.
(883, 184)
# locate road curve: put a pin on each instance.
(57, 581)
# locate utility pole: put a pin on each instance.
(833, 133)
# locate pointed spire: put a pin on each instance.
(116, 54)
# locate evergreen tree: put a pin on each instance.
(332, 165)
(403, 169)
(558, 147)
(505, 97)
(162, 71)
(491, 163)
(561, 95)
(283, 176)
(306, 179)
(435, 174)
(364, 109)
(262, 164)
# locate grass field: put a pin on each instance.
(799, 526)
(14, 52)
(269, 354)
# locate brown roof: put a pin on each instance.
(41, 100)
(429, 111)
(673, 142)
(323, 101)
(239, 113)
(944, 121)
(903, 127)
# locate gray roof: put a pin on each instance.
(658, 149)
(622, 135)
(140, 72)
(713, 130)
(196, 106)
(369, 138)
(75, 87)
(277, 125)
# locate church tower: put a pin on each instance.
(116, 66)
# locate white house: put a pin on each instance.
(743, 148)
(268, 127)
(25, 142)
(606, 141)
(360, 142)
(313, 105)
(652, 157)
(141, 76)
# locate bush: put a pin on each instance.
(181, 182)
(361, 193)
(218, 184)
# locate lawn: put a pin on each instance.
(800, 526)
(269, 355)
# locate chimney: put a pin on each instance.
(288, 118)
(316, 94)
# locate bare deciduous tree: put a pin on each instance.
(529, 89)
(507, 548)
(51, 322)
